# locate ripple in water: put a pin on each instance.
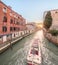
(19, 58)
(49, 57)
(49, 51)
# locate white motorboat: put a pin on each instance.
(34, 55)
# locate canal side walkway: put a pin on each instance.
(6, 45)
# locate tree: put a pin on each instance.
(48, 20)
(54, 32)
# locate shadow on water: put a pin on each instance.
(16, 55)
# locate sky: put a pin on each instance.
(32, 10)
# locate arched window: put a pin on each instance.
(4, 19)
(4, 29)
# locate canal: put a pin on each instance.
(17, 55)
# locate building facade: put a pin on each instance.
(54, 14)
(31, 26)
(11, 23)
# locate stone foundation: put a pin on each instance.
(53, 39)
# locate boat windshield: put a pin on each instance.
(33, 51)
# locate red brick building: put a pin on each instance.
(10, 22)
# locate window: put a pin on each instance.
(5, 10)
(11, 28)
(0, 38)
(11, 21)
(14, 21)
(4, 19)
(4, 28)
(10, 13)
(17, 23)
(14, 28)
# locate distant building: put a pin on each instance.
(54, 14)
(39, 25)
(31, 26)
(10, 22)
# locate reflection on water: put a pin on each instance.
(19, 58)
(49, 52)
(18, 55)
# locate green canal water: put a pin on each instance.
(17, 55)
